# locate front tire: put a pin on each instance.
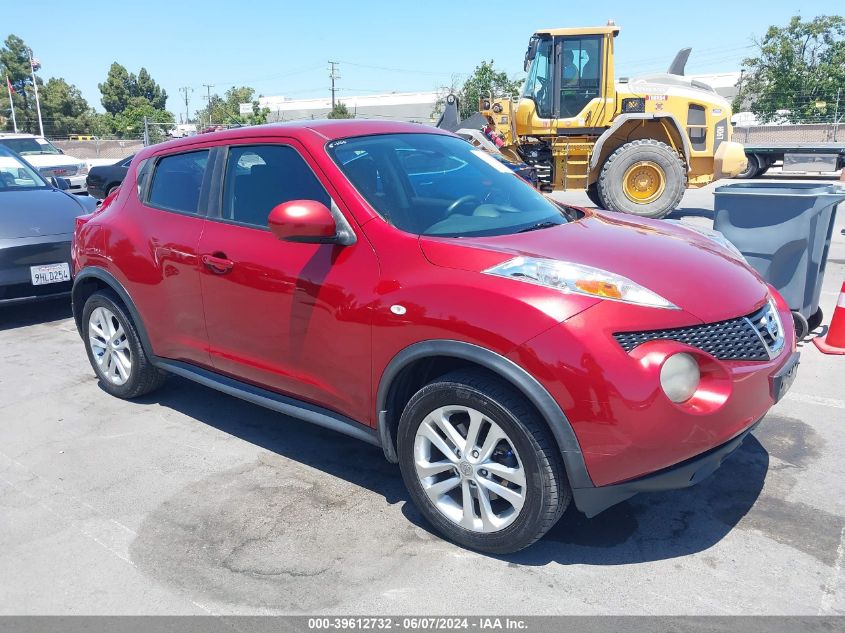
(114, 348)
(643, 177)
(593, 195)
(480, 464)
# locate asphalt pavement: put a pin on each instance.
(189, 501)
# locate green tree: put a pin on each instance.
(115, 90)
(799, 68)
(484, 82)
(121, 86)
(146, 87)
(129, 123)
(14, 63)
(340, 111)
(226, 110)
(64, 110)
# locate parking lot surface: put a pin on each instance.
(189, 501)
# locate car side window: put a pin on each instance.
(177, 181)
(259, 177)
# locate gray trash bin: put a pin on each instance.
(783, 230)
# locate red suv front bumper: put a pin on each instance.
(632, 437)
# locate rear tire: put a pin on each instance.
(643, 177)
(114, 348)
(815, 320)
(453, 480)
(752, 169)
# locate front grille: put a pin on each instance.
(62, 171)
(757, 336)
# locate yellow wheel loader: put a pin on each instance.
(634, 145)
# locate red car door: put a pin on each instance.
(292, 317)
(163, 277)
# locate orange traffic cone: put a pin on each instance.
(834, 341)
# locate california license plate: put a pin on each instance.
(49, 273)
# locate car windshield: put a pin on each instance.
(16, 175)
(433, 184)
(26, 146)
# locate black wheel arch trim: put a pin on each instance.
(647, 116)
(564, 435)
(101, 274)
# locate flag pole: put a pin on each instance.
(37, 103)
(11, 103)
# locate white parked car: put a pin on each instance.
(48, 159)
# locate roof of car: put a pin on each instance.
(327, 129)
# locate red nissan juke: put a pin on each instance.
(394, 283)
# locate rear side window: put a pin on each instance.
(259, 177)
(177, 181)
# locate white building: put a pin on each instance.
(401, 106)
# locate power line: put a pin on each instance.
(403, 70)
(268, 77)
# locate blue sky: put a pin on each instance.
(283, 47)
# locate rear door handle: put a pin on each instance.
(218, 263)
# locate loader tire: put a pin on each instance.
(643, 177)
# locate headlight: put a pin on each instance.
(579, 279)
(713, 234)
(680, 377)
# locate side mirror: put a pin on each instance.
(60, 183)
(531, 53)
(307, 221)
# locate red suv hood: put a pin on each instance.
(688, 269)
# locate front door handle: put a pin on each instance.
(218, 263)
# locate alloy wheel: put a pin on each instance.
(469, 469)
(109, 346)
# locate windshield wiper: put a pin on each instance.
(540, 225)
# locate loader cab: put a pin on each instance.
(570, 78)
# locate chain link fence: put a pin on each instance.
(99, 149)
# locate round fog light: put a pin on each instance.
(680, 377)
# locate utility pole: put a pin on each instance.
(208, 88)
(11, 103)
(333, 74)
(33, 66)
(187, 90)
